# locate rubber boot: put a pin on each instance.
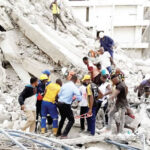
(55, 131)
(42, 130)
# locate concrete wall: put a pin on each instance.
(124, 34)
(123, 13)
(123, 22)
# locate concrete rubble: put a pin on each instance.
(31, 45)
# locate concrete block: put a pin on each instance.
(48, 42)
(8, 47)
(34, 67)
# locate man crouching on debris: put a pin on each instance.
(120, 94)
(27, 100)
(143, 89)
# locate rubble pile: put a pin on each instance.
(29, 44)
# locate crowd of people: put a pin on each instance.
(103, 87)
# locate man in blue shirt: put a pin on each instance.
(65, 98)
(107, 43)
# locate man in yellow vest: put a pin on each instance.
(56, 14)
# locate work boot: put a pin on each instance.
(55, 131)
(42, 130)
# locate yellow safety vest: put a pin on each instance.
(52, 91)
(55, 9)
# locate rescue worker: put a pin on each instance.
(40, 93)
(105, 59)
(84, 102)
(65, 98)
(56, 14)
(107, 43)
(121, 103)
(27, 100)
(49, 105)
(143, 88)
(94, 70)
(106, 90)
(92, 93)
(49, 118)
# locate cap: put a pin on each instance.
(86, 77)
(46, 72)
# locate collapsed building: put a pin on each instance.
(29, 44)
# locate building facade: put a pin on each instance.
(123, 20)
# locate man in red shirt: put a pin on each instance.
(95, 71)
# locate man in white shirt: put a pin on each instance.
(105, 59)
(105, 89)
(84, 101)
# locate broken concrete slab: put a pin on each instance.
(63, 42)
(2, 77)
(30, 65)
(47, 43)
(5, 21)
(8, 47)
(34, 67)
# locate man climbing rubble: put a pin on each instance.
(121, 103)
(106, 90)
(129, 118)
(65, 98)
(94, 70)
(56, 14)
(143, 88)
(27, 100)
(107, 43)
(49, 105)
(105, 59)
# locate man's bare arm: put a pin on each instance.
(109, 90)
(114, 94)
(91, 101)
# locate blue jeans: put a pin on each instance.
(111, 52)
(91, 121)
(49, 108)
(109, 69)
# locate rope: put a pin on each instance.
(86, 115)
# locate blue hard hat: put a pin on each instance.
(46, 72)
